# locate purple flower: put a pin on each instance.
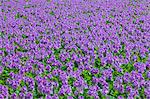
(107, 73)
(140, 67)
(1, 69)
(70, 97)
(24, 89)
(146, 92)
(55, 96)
(81, 97)
(119, 80)
(105, 91)
(14, 96)
(128, 88)
(95, 80)
(148, 74)
(133, 93)
(48, 97)
(136, 84)
(77, 84)
(1, 96)
(126, 77)
(120, 97)
(61, 91)
(94, 71)
(55, 72)
(29, 95)
(147, 83)
(49, 76)
(48, 68)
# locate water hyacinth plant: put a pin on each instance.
(74, 49)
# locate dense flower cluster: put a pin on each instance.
(74, 49)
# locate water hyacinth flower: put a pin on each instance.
(1, 70)
(148, 74)
(29, 95)
(105, 91)
(21, 95)
(14, 96)
(140, 67)
(120, 97)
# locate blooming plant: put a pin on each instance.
(74, 49)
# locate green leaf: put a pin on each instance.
(24, 17)
(48, 0)
(127, 67)
(101, 96)
(10, 90)
(20, 49)
(17, 91)
(107, 22)
(111, 97)
(89, 82)
(24, 36)
(63, 96)
(55, 78)
(56, 90)
(3, 49)
(121, 28)
(141, 93)
(37, 41)
(24, 59)
(145, 75)
(75, 67)
(111, 16)
(16, 44)
(144, 59)
(78, 23)
(85, 92)
(73, 89)
(64, 68)
(88, 97)
(30, 74)
(5, 18)
(2, 82)
(68, 60)
(103, 16)
(97, 63)
(116, 73)
(17, 16)
(134, 20)
(5, 53)
(52, 13)
(22, 83)
(114, 93)
(56, 53)
(100, 85)
(36, 93)
(27, 6)
(4, 76)
(110, 82)
(44, 61)
(44, 73)
(97, 75)
(124, 55)
(87, 76)
(53, 68)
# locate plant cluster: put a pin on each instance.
(74, 49)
